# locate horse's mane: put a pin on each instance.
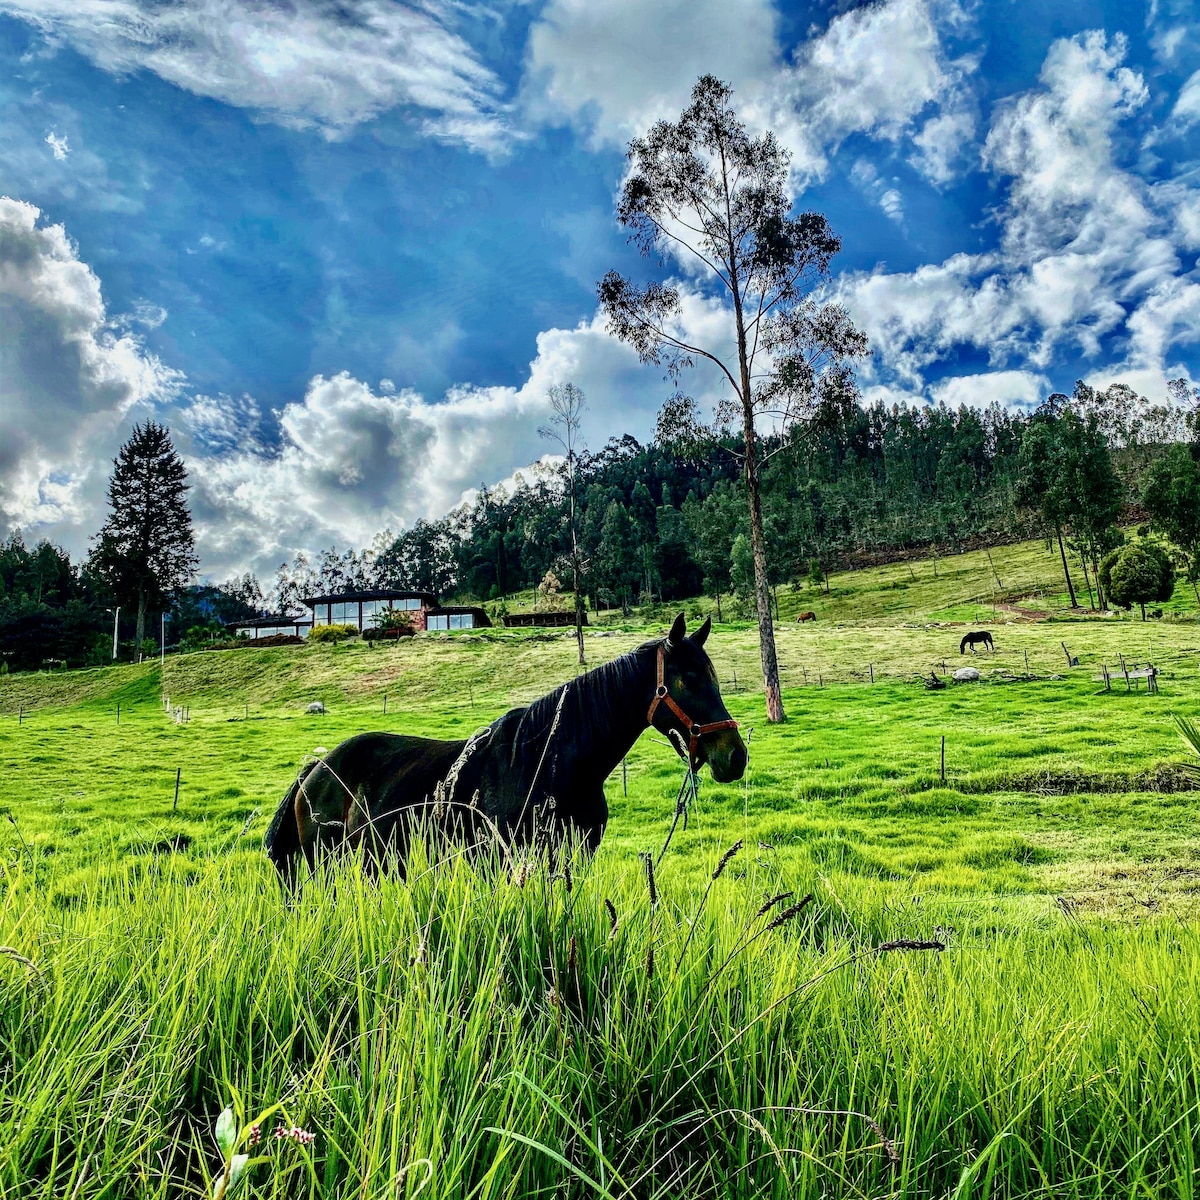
(603, 687)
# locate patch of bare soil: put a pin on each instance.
(1164, 779)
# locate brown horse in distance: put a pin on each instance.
(807, 616)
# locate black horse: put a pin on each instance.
(546, 762)
(983, 638)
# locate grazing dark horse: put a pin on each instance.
(983, 638)
(545, 762)
(807, 616)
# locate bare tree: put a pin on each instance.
(567, 404)
(704, 191)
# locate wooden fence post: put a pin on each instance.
(175, 802)
(872, 667)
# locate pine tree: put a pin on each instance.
(145, 547)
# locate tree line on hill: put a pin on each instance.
(655, 523)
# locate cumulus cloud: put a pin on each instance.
(889, 199)
(614, 67)
(307, 63)
(1022, 389)
(1088, 250)
(67, 376)
(875, 70)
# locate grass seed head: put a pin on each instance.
(770, 904)
(908, 944)
(612, 918)
(651, 886)
(725, 859)
(788, 913)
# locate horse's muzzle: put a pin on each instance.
(727, 757)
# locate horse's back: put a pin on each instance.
(378, 772)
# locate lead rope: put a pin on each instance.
(688, 791)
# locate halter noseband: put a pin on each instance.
(695, 732)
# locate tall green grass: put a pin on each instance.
(500, 1031)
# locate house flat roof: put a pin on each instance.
(373, 594)
(259, 622)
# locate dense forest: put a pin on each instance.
(663, 522)
(863, 483)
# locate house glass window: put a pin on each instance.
(435, 623)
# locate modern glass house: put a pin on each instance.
(360, 608)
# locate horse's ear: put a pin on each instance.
(678, 631)
(701, 634)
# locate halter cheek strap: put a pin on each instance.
(695, 732)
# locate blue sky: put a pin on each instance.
(344, 249)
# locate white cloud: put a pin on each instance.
(1087, 251)
(603, 64)
(1056, 143)
(1187, 106)
(59, 146)
(875, 70)
(889, 199)
(306, 64)
(941, 143)
(67, 377)
(1023, 389)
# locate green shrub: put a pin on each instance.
(392, 622)
(332, 633)
(379, 635)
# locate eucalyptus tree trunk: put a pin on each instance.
(1066, 573)
(575, 573)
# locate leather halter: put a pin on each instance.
(694, 731)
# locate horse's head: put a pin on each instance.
(688, 702)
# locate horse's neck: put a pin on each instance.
(608, 713)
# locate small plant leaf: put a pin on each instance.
(228, 1182)
(226, 1131)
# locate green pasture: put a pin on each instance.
(498, 1030)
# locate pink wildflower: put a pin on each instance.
(303, 1136)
